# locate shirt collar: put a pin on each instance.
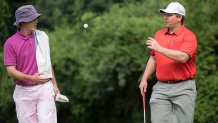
(25, 37)
(177, 32)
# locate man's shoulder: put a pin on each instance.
(13, 39)
(161, 31)
(40, 32)
(188, 31)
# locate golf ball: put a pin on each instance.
(85, 25)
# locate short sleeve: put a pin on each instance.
(9, 54)
(152, 52)
(189, 44)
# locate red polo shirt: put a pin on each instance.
(183, 40)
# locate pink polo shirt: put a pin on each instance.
(19, 51)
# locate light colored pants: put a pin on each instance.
(173, 103)
(35, 104)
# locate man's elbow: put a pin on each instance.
(184, 58)
(10, 71)
(10, 74)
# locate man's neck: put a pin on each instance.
(173, 29)
(25, 32)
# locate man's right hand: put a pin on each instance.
(38, 79)
(143, 87)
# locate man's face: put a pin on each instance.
(172, 20)
(31, 26)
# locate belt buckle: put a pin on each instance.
(171, 82)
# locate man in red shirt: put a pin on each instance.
(173, 55)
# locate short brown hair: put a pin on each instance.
(183, 18)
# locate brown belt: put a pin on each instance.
(176, 81)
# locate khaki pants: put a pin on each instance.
(173, 103)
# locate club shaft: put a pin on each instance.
(144, 106)
(144, 117)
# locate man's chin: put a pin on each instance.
(34, 29)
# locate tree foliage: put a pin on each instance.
(99, 68)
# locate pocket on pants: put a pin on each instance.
(47, 91)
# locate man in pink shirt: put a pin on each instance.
(33, 94)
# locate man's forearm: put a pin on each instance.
(53, 79)
(15, 74)
(150, 68)
(176, 55)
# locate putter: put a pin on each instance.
(144, 104)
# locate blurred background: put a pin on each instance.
(99, 68)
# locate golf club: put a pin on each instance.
(144, 104)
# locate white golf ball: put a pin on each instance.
(85, 25)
